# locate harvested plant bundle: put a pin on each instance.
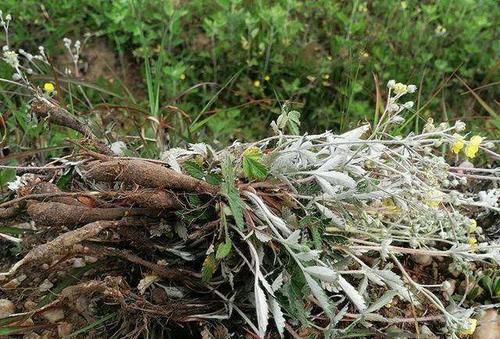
(305, 234)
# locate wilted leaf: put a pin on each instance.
(336, 178)
(262, 309)
(279, 319)
(277, 283)
(356, 298)
(145, 282)
(319, 294)
(263, 237)
(308, 255)
(327, 213)
(394, 281)
(209, 267)
(322, 273)
(382, 301)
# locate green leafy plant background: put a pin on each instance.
(229, 65)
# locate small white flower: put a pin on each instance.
(391, 83)
(489, 145)
(443, 125)
(118, 147)
(67, 43)
(5, 48)
(16, 77)
(459, 126)
(440, 30)
(393, 108)
(14, 185)
(408, 104)
(397, 119)
(437, 143)
(490, 197)
(400, 89)
(11, 58)
(412, 88)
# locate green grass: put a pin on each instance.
(321, 55)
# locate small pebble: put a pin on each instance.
(45, 286)
(90, 259)
(6, 308)
(32, 335)
(488, 326)
(64, 329)
(30, 305)
(424, 260)
(426, 333)
(78, 262)
(53, 315)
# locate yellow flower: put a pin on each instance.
(458, 144)
(183, 76)
(472, 241)
(400, 88)
(469, 328)
(267, 78)
(473, 146)
(434, 198)
(390, 206)
(472, 226)
(48, 87)
(256, 83)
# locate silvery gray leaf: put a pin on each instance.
(319, 294)
(279, 319)
(356, 298)
(322, 273)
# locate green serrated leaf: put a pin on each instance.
(232, 194)
(214, 179)
(253, 167)
(194, 169)
(316, 227)
(209, 267)
(224, 249)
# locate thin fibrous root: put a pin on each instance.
(56, 213)
(179, 275)
(63, 243)
(43, 187)
(147, 174)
